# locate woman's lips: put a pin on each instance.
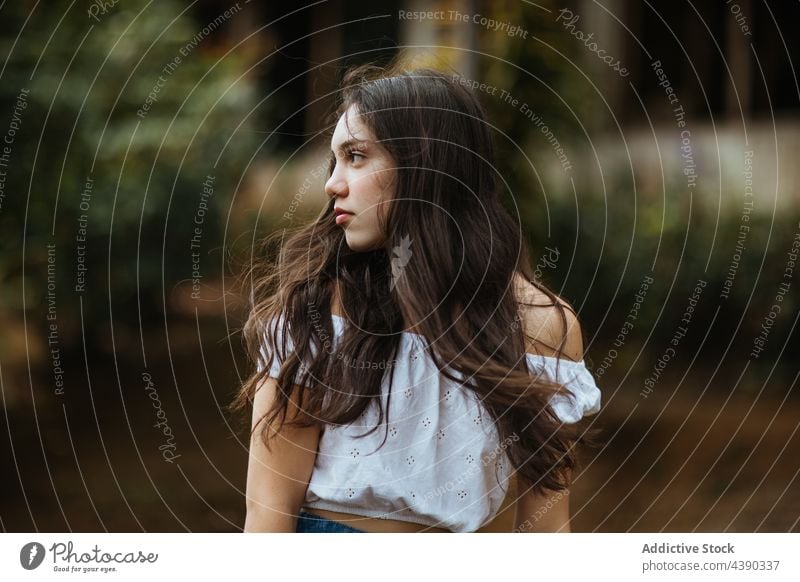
(342, 217)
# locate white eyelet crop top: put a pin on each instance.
(442, 464)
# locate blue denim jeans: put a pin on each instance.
(310, 523)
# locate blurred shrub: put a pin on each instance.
(88, 81)
(605, 252)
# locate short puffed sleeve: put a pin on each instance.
(576, 378)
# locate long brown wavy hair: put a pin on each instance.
(457, 289)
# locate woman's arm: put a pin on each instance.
(547, 512)
(277, 479)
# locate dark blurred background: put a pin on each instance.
(649, 151)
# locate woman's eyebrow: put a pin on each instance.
(345, 145)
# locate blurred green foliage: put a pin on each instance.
(87, 79)
(541, 71)
(606, 249)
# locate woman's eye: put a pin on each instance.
(355, 156)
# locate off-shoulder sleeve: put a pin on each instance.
(577, 378)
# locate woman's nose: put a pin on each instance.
(335, 186)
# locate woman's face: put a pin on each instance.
(362, 181)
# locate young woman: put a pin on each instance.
(409, 367)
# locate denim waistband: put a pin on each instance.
(310, 523)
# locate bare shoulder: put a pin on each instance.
(543, 324)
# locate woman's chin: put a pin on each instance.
(359, 245)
